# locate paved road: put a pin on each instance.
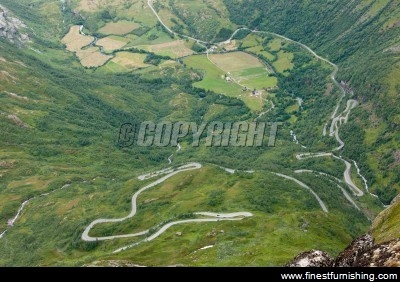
(346, 195)
(215, 217)
(346, 173)
(170, 172)
(150, 4)
(321, 203)
(212, 217)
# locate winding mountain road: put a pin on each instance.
(150, 4)
(320, 202)
(170, 172)
(346, 174)
(346, 195)
(212, 217)
(336, 118)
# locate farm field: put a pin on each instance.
(118, 28)
(283, 64)
(89, 57)
(259, 50)
(173, 49)
(245, 69)
(215, 79)
(130, 60)
(110, 44)
(75, 41)
(92, 57)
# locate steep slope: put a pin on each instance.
(363, 38)
(381, 248)
(386, 225)
(62, 167)
(10, 28)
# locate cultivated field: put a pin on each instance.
(245, 69)
(92, 57)
(259, 50)
(75, 41)
(110, 44)
(213, 76)
(130, 60)
(173, 49)
(251, 40)
(275, 44)
(215, 79)
(235, 61)
(118, 28)
(274, 52)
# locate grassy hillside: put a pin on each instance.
(60, 123)
(386, 225)
(284, 222)
(207, 20)
(362, 37)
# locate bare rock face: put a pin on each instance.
(385, 254)
(313, 258)
(354, 250)
(395, 200)
(112, 263)
(360, 253)
(10, 28)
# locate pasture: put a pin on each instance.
(92, 57)
(173, 49)
(130, 60)
(74, 41)
(217, 79)
(244, 69)
(110, 44)
(284, 62)
(118, 28)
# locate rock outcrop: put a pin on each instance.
(379, 248)
(385, 254)
(10, 28)
(313, 258)
(356, 248)
(360, 253)
(395, 200)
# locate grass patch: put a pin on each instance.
(110, 44)
(118, 28)
(130, 60)
(74, 41)
(284, 62)
(173, 49)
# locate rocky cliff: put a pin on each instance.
(379, 248)
(360, 253)
(10, 28)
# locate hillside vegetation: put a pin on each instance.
(91, 66)
(363, 38)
